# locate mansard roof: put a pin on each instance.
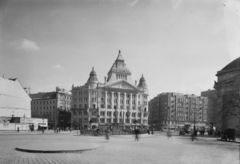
(43, 95)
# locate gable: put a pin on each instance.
(122, 85)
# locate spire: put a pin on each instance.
(119, 58)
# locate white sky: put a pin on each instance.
(178, 45)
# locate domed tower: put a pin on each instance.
(143, 85)
(92, 80)
(119, 71)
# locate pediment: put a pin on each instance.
(122, 85)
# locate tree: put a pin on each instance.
(231, 103)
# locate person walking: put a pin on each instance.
(136, 131)
(169, 134)
(107, 134)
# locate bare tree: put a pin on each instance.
(231, 103)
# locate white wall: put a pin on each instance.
(13, 99)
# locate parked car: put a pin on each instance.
(228, 134)
(181, 132)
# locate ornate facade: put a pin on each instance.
(117, 103)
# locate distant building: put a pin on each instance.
(117, 103)
(227, 83)
(55, 106)
(14, 101)
(174, 110)
(212, 114)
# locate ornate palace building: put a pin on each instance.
(117, 103)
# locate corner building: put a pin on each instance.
(55, 106)
(117, 103)
(174, 110)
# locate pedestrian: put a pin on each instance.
(194, 135)
(148, 131)
(136, 131)
(169, 134)
(107, 134)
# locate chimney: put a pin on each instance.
(136, 82)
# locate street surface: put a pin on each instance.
(150, 149)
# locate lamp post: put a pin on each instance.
(194, 123)
(43, 125)
(90, 121)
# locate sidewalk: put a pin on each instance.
(34, 132)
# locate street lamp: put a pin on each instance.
(194, 123)
(43, 125)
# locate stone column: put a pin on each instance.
(136, 99)
(124, 101)
(112, 100)
(105, 99)
(130, 102)
(118, 101)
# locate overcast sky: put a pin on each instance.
(178, 45)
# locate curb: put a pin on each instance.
(55, 151)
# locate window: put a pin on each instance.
(115, 106)
(109, 106)
(80, 105)
(102, 113)
(85, 113)
(102, 99)
(85, 106)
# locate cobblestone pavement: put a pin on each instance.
(153, 149)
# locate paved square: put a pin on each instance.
(152, 149)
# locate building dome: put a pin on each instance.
(142, 83)
(233, 65)
(92, 77)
